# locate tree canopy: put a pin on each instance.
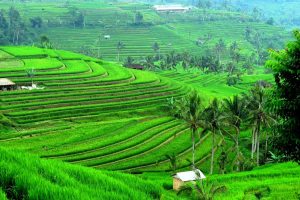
(286, 97)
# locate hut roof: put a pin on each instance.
(176, 7)
(190, 175)
(6, 82)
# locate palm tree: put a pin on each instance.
(129, 61)
(120, 46)
(204, 190)
(45, 42)
(219, 48)
(259, 117)
(190, 110)
(98, 44)
(186, 60)
(156, 49)
(236, 110)
(30, 74)
(173, 161)
(214, 121)
(149, 63)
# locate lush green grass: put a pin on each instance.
(282, 180)
(215, 85)
(25, 176)
(102, 115)
(99, 114)
(91, 112)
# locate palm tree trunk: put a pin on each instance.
(237, 150)
(193, 147)
(257, 139)
(158, 54)
(253, 142)
(212, 153)
(266, 147)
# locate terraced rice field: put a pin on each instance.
(94, 113)
(212, 85)
(272, 181)
(172, 31)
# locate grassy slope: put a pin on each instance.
(26, 176)
(214, 85)
(100, 141)
(172, 31)
(282, 180)
(92, 112)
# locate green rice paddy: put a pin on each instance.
(101, 115)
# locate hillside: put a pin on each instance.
(272, 181)
(99, 114)
(91, 112)
(213, 85)
(172, 31)
(20, 173)
(23, 176)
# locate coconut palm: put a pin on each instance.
(120, 46)
(156, 49)
(148, 62)
(214, 121)
(259, 117)
(98, 44)
(202, 190)
(30, 74)
(220, 48)
(129, 61)
(190, 110)
(236, 111)
(173, 161)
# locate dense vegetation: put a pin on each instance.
(285, 65)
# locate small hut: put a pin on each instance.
(6, 84)
(181, 178)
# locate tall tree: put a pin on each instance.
(3, 21)
(120, 46)
(4, 38)
(129, 61)
(236, 110)
(219, 48)
(30, 74)
(36, 22)
(259, 117)
(189, 109)
(214, 121)
(138, 18)
(15, 25)
(149, 63)
(204, 190)
(286, 97)
(45, 42)
(156, 49)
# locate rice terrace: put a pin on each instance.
(139, 99)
